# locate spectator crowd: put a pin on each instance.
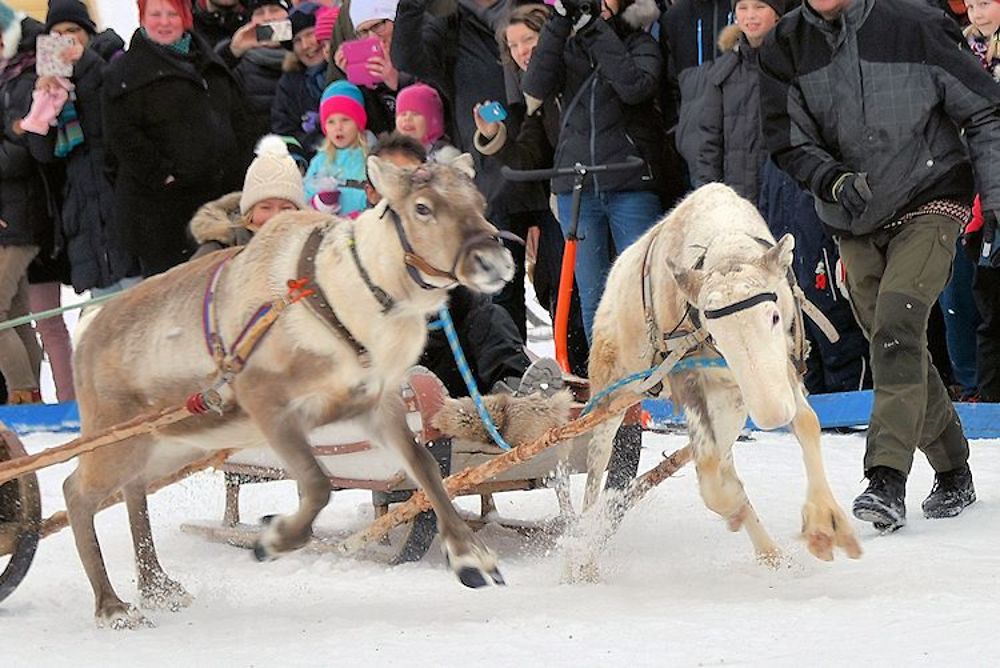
(869, 129)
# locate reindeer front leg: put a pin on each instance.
(824, 523)
(285, 431)
(714, 419)
(473, 562)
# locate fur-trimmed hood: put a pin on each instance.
(641, 14)
(218, 220)
(729, 38)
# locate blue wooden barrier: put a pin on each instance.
(852, 409)
(839, 409)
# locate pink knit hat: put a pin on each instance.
(326, 18)
(343, 97)
(422, 99)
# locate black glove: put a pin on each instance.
(851, 191)
(581, 13)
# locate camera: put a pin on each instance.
(577, 8)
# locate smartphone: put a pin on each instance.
(492, 112)
(275, 31)
(356, 53)
(48, 56)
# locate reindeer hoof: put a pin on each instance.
(165, 594)
(122, 617)
(473, 578)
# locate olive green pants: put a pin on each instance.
(894, 276)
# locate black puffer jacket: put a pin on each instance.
(608, 77)
(27, 189)
(96, 252)
(732, 150)
(258, 71)
(170, 115)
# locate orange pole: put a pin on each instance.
(561, 325)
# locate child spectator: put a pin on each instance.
(273, 184)
(335, 181)
(420, 114)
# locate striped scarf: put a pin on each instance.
(69, 133)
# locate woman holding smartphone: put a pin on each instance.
(532, 148)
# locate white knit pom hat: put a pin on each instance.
(273, 173)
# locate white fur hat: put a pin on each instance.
(273, 173)
(371, 10)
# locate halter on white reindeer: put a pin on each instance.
(709, 282)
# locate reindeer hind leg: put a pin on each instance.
(84, 490)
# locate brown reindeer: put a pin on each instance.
(339, 354)
(712, 266)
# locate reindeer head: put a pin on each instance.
(747, 308)
(440, 212)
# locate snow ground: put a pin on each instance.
(677, 588)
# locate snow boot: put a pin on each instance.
(884, 502)
(951, 494)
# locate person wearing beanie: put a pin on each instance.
(295, 109)
(420, 114)
(176, 145)
(336, 176)
(374, 19)
(273, 184)
(732, 147)
(69, 11)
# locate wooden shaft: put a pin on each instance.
(60, 520)
(143, 424)
(471, 477)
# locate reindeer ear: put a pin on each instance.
(689, 281)
(779, 258)
(461, 161)
(388, 180)
(464, 164)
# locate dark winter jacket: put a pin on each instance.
(608, 76)
(218, 224)
(831, 367)
(732, 150)
(689, 33)
(95, 250)
(458, 53)
(533, 147)
(27, 189)
(215, 26)
(295, 109)
(258, 71)
(177, 118)
(886, 91)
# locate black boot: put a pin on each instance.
(952, 492)
(884, 502)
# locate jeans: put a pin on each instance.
(609, 223)
(961, 320)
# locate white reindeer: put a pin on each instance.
(380, 276)
(713, 264)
